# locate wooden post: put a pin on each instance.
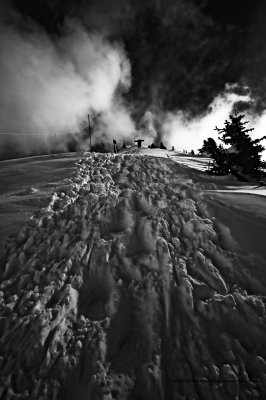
(89, 129)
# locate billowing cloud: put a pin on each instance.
(167, 61)
(188, 133)
(182, 52)
(183, 132)
(48, 87)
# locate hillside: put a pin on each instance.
(138, 279)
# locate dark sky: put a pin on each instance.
(182, 52)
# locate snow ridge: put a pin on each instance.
(120, 289)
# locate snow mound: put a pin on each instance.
(120, 289)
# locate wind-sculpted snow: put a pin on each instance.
(125, 288)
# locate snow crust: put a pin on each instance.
(127, 287)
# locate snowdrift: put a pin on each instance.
(126, 287)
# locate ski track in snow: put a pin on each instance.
(121, 289)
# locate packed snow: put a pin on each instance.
(26, 184)
(130, 283)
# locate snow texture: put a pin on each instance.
(124, 287)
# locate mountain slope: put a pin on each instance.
(125, 287)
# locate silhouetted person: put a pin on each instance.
(139, 142)
(173, 148)
(124, 146)
(162, 146)
(115, 146)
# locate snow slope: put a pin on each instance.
(26, 185)
(237, 207)
(224, 184)
(127, 287)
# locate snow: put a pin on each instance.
(26, 185)
(198, 163)
(138, 278)
(254, 190)
(201, 164)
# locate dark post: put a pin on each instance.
(89, 129)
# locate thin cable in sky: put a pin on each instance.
(18, 134)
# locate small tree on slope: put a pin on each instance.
(243, 158)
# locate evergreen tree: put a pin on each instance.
(243, 158)
(218, 154)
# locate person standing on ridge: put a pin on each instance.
(115, 145)
(139, 142)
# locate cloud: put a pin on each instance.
(48, 87)
(180, 56)
(188, 133)
(67, 59)
(115, 123)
